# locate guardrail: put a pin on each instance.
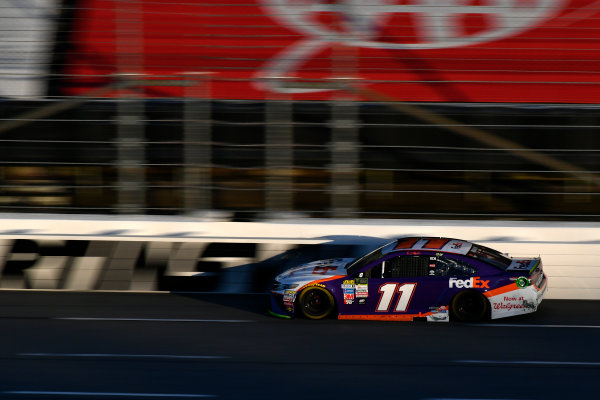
(83, 252)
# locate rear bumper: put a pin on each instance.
(512, 300)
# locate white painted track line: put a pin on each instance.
(524, 362)
(105, 394)
(232, 321)
(115, 355)
(538, 326)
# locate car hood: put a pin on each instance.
(315, 270)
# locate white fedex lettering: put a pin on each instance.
(454, 282)
(475, 282)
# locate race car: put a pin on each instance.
(437, 279)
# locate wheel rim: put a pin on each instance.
(469, 307)
(316, 303)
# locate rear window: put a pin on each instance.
(490, 256)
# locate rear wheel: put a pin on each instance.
(316, 303)
(469, 307)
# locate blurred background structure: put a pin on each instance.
(385, 108)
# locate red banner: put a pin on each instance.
(411, 50)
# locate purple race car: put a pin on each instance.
(434, 278)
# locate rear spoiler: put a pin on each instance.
(522, 265)
(535, 265)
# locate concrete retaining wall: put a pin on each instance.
(81, 252)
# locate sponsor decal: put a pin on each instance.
(438, 317)
(438, 314)
(522, 264)
(508, 306)
(348, 287)
(289, 297)
(316, 285)
(439, 310)
(475, 282)
(362, 288)
(362, 302)
(456, 245)
(432, 266)
(348, 296)
(523, 282)
(513, 298)
(529, 305)
(509, 303)
(348, 284)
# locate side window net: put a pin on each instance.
(406, 267)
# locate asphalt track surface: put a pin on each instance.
(69, 345)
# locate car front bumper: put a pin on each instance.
(282, 304)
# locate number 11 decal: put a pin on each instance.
(388, 291)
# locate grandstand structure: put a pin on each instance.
(261, 108)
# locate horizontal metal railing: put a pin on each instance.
(66, 174)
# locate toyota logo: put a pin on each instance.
(435, 24)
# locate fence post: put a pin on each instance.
(279, 154)
(131, 191)
(344, 134)
(197, 192)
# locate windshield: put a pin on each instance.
(490, 256)
(364, 260)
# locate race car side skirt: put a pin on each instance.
(279, 315)
(402, 317)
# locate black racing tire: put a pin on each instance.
(469, 306)
(316, 303)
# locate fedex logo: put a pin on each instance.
(474, 282)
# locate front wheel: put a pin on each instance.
(316, 303)
(469, 307)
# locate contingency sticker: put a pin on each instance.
(439, 314)
(348, 287)
(362, 288)
(289, 297)
(348, 284)
(348, 296)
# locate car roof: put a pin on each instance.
(440, 244)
